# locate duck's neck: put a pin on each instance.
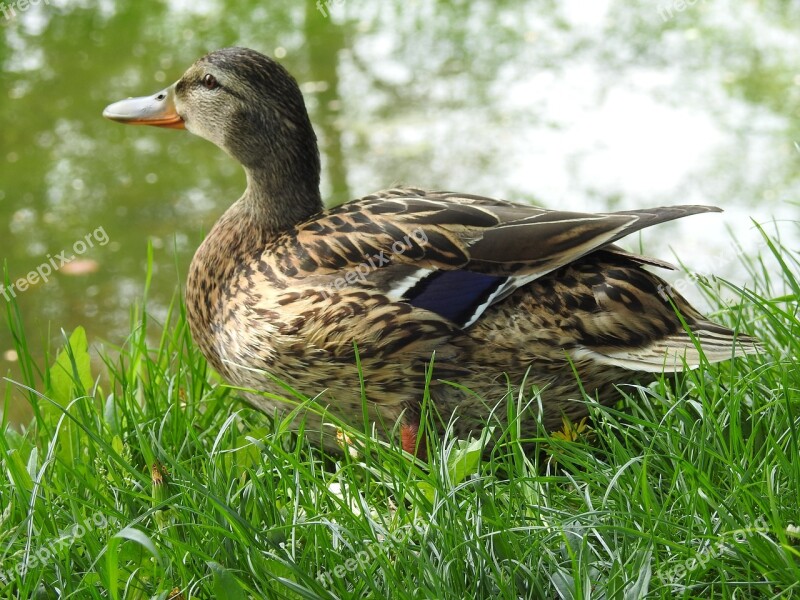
(277, 202)
(282, 168)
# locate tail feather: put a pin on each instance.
(677, 352)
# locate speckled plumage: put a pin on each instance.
(282, 289)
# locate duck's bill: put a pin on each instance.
(158, 110)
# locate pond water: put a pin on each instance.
(581, 105)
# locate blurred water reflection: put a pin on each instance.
(581, 105)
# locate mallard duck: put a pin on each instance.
(495, 291)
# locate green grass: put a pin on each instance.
(160, 477)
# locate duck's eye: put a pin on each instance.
(210, 82)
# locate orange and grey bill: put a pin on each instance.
(158, 110)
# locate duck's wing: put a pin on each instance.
(452, 254)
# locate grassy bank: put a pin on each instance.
(159, 483)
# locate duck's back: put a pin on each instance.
(395, 277)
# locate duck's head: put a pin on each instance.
(245, 103)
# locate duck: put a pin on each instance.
(408, 293)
